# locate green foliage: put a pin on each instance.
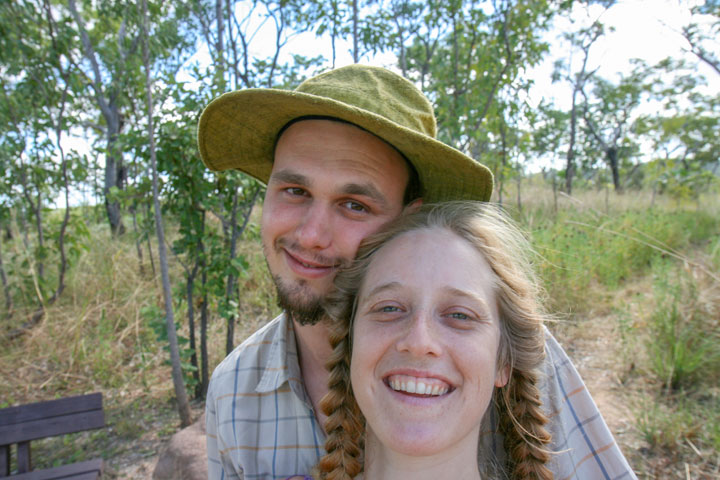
(579, 252)
(683, 340)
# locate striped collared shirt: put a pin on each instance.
(261, 425)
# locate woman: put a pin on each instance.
(438, 316)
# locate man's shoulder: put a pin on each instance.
(254, 351)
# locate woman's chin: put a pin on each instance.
(417, 441)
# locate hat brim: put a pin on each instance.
(238, 130)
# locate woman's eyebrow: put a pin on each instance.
(482, 304)
(380, 288)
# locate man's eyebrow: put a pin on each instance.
(287, 176)
(366, 190)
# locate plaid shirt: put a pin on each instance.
(260, 421)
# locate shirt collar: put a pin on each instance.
(282, 363)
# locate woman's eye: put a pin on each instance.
(389, 309)
(459, 316)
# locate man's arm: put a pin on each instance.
(584, 446)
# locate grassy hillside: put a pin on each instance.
(635, 290)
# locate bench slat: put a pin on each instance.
(19, 425)
(50, 408)
(89, 470)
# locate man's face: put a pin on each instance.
(332, 184)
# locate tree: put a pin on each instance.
(703, 41)
(608, 118)
(39, 98)
(179, 384)
(582, 40)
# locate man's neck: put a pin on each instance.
(313, 352)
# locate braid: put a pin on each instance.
(345, 425)
(522, 423)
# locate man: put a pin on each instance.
(343, 154)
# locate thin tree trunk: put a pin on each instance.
(189, 288)
(6, 287)
(612, 158)
(570, 160)
(149, 245)
(519, 191)
(230, 283)
(356, 54)
(204, 369)
(138, 243)
(180, 392)
(66, 217)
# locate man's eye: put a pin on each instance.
(355, 206)
(296, 191)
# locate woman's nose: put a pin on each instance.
(420, 338)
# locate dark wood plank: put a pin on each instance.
(20, 425)
(50, 408)
(89, 470)
(24, 461)
(4, 460)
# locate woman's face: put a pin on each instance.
(425, 344)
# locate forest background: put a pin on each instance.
(128, 268)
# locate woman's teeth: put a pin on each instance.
(407, 384)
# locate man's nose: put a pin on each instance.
(314, 230)
(421, 337)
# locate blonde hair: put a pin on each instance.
(522, 343)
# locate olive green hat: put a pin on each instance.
(238, 130)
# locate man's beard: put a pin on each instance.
(305, 308)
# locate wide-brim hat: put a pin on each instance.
(238, 130)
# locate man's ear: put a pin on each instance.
(413, 206)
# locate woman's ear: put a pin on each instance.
(502, 376)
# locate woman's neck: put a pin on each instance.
(458, 463)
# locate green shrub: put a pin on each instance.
(684, 347)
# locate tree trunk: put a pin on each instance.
(6, 287)
(189, 287)
(612, 159)
(138, 242)
(230, 282)
(570, 161)
(203, 325)
(356, 55)
(179, 384)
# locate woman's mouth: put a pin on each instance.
(420, 386)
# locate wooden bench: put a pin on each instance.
(22, 424)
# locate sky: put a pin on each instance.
(646, 29)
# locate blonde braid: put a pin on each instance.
(526, 439)
(345, 425)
